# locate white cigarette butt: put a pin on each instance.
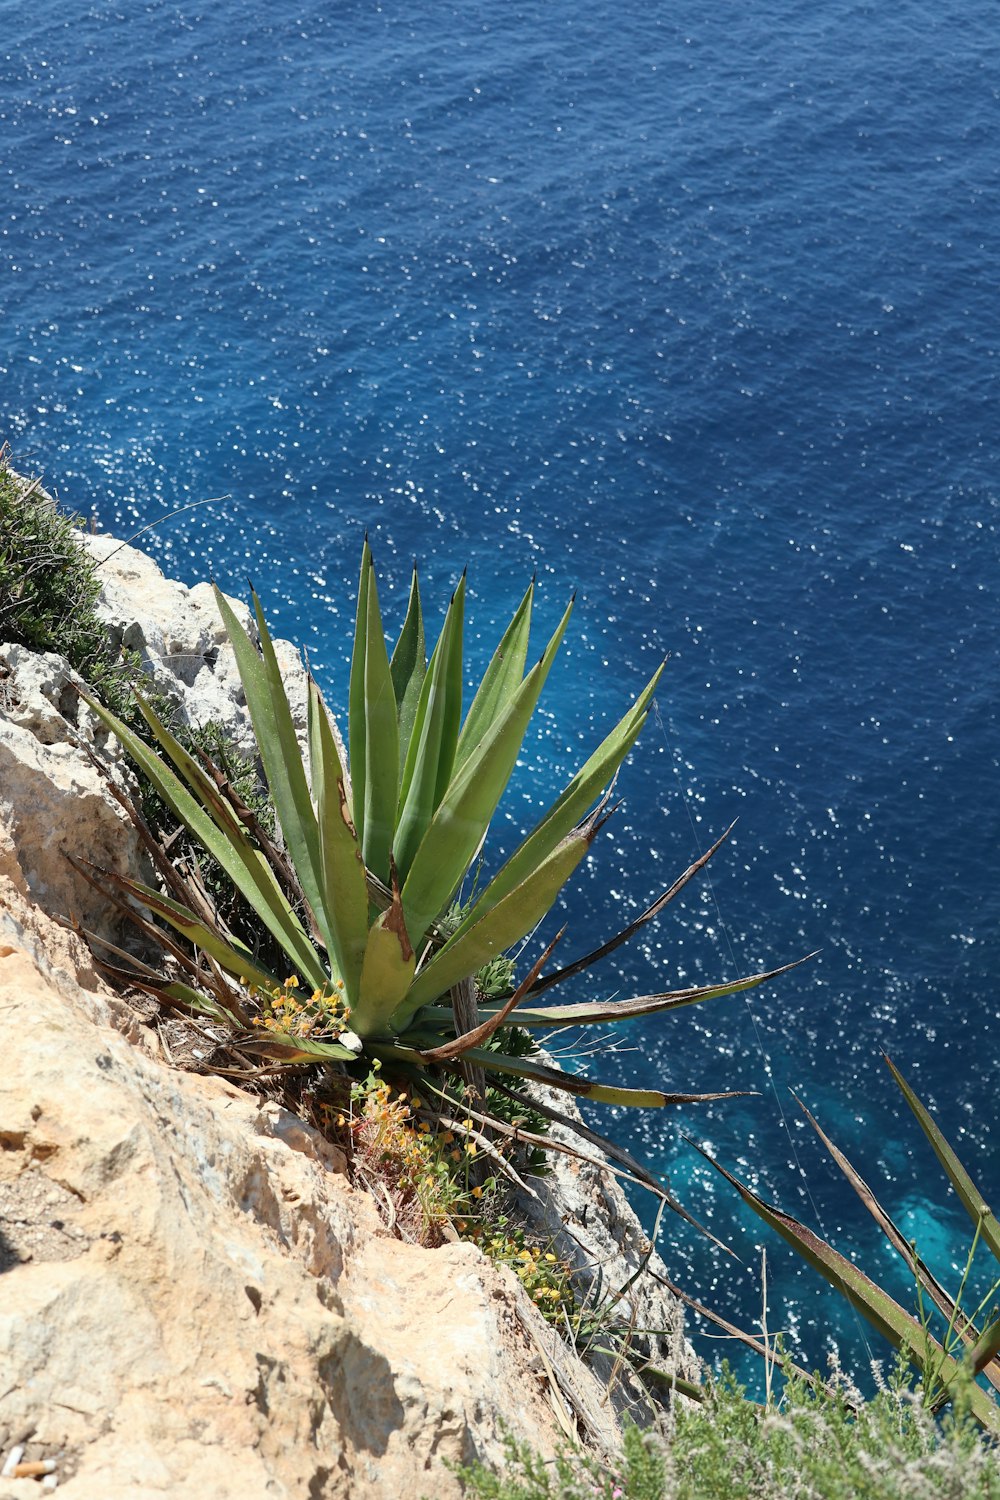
(13, 1459)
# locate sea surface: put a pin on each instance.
(691, 309)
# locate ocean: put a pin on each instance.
(692, 310)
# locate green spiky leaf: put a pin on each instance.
(386, 973)
(278, 744)
(569, 809)
(893, 1322)
(408, 668)
(431, 752)
(459, 825)
(245, 866)
(500, 681)
(499, 929)
(972, 1199)
(596, 1012)
(585, 1088)
(344, 897)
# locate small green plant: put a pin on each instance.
(817, 1442)
(426, 1171)
(967, 1342)
(547, 1279)
(49, 588)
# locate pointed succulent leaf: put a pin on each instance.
(279, 749)
(596, 1012)
(460, 822)
(245, 866)
(431, 753)
(569, 808)
(627, 933)
(356, 717)
(193, 776)
(584, 1088)
(194, 1000)
(916, 1266)
(344, 884)
(508, 922)
(381, 745)
(285, 1048)
(408, 668)
(480, 1034)
(232, 956)
(500, 681)
(896, 1325)
(972, 1199)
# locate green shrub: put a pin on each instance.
(48, 586)
(817, 1443)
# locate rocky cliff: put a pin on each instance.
(193, 1298)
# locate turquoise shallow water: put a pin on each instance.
(692, 312)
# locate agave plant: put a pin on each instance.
(377, 844)
(966, 1345)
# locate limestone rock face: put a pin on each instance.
(182, 642)
(193, 1300)
(581, 1208)
(53, 799)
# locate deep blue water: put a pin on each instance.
(693, 309)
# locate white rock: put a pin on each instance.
(181, 641)
(53, 800)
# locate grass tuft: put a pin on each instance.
(813, 1444)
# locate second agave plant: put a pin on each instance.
(378, 839)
